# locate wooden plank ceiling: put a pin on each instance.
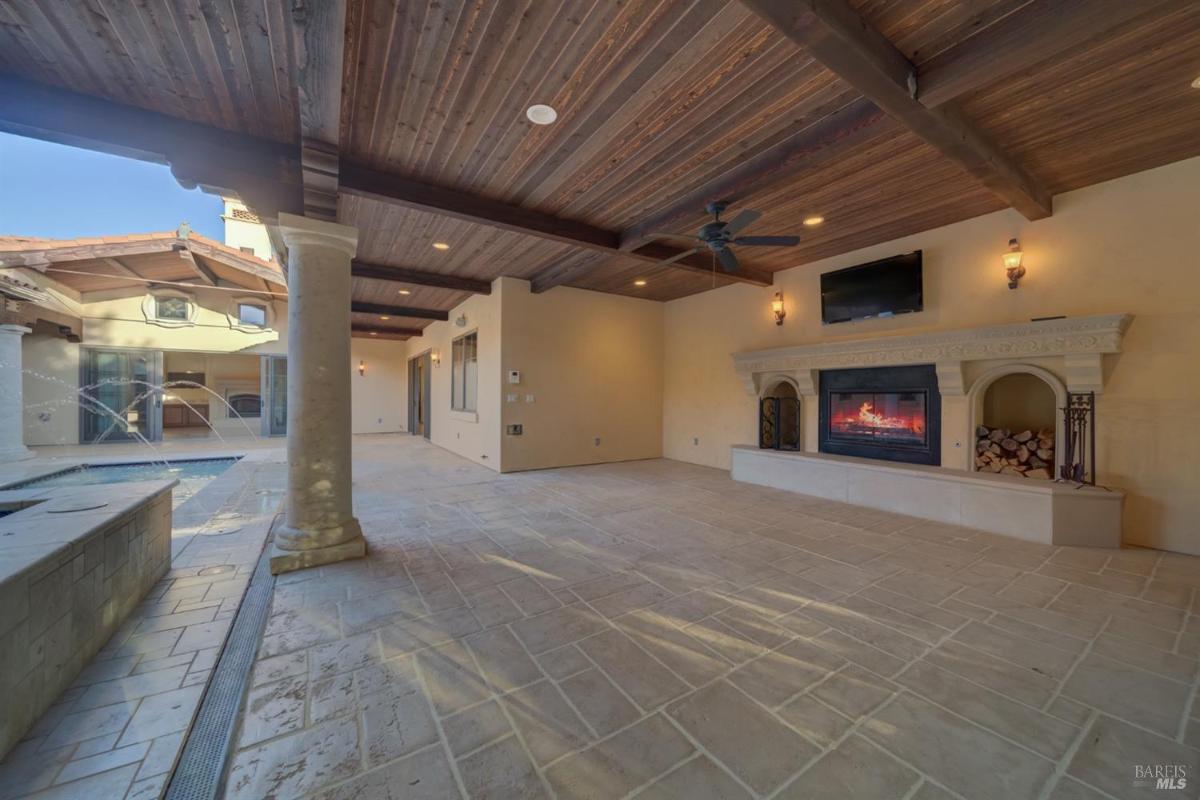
(660, 103)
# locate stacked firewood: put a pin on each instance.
(1023, 453)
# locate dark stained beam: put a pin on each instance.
(415, 277)
(835, 35)
(386, 187)
(1033, 33)
(263, 173)
(398, 311)
(377, 331)
(806, 150)
(319, 33)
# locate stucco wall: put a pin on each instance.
(51, 376)
(593, 363)
(118, 319)
(377, 397)
(475, 436)
(1129, 245)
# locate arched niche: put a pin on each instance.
(779, 413)
(1018, 396)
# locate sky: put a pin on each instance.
(63, 192)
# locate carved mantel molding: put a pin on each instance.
(1082, 340)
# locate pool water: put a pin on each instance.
(88, 475)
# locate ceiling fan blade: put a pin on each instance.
(768, 241)
(743, 218)
(678, 256)
(728, 260)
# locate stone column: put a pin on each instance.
(320, 527)
(12, 409)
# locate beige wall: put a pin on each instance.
(1130, 245)
(51, 378)
(118, 319)
(377, 397)
(593, 363)
(474, 435)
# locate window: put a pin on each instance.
(173, 308)
(252, 314)
(247, 249)
(246, 404)
(464, 372)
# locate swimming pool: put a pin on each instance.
(201, 469)
(193, 475)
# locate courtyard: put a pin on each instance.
(722, 399)
(645, 629)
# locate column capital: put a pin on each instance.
(19, 330)
(298, 231)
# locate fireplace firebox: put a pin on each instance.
(889, 413)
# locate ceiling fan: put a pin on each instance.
(719, 235)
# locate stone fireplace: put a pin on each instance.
(895, 423)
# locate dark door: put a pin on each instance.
(418, 395)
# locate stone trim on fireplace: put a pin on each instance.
(1081, 340)
(1071, 349)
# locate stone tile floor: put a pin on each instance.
(117, 732)
(654, 630)
(649, 630)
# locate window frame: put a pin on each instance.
(262, 307)
(462, 400)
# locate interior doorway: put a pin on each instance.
(419, 369)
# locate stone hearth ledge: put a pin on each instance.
(1034, 510)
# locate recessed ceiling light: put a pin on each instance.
(403, 291)
(373, 333)
(440, 246)
(541, 114)
(813, 220)
(385, 318)
(639, 282)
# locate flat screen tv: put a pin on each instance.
(878, 289)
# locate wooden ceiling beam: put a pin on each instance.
(357, 307)
(1028, 36)
(839, 38)
(376, 331)
(263, 173)
(805, 150)
(415, 277)
(386, 187)
(319, 33)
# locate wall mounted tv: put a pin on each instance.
(878, 289)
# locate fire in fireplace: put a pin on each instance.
(897, 417)
(890, 413)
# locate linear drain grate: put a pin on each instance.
(200, 773)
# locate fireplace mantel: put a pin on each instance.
(1081, 340)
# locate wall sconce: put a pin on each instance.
(362, 368)
(436, 357)
(1012, 263)
(777, 308)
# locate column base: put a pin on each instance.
(292, 560)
